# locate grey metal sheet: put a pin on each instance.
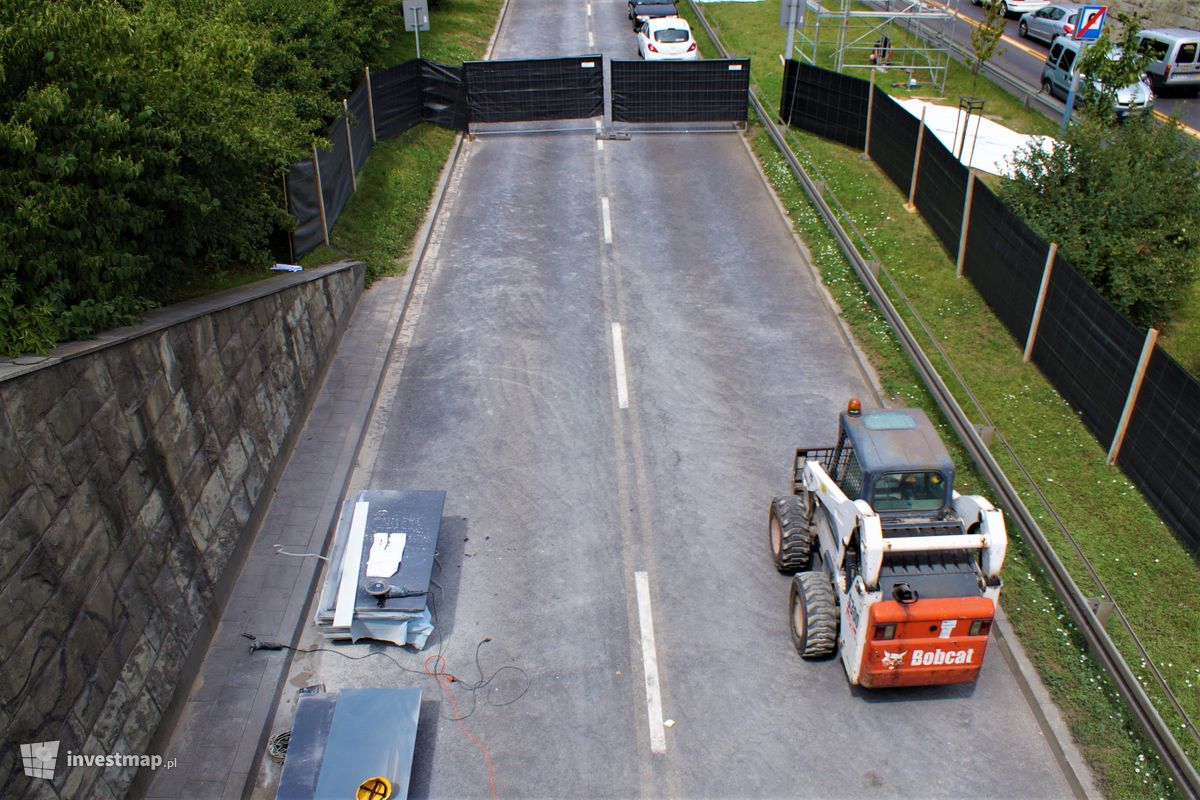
(374, 733)
(306, 749)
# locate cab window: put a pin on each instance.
(909, 491)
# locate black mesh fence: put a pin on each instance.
(1087, 349)
(1161, 452)
(680, 91)
(336, 181)
(825, 103)
(1004, 260)
(302, 203)
(336, 185)
(401, 97)
(398, 96)
(941, 191)
(360, 125)
(535, 89)
(894, 139)
(443, 95)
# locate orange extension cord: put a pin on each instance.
(444, 679)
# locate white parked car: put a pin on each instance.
(667, 39)
(1011, 8)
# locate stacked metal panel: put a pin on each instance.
(401, 524)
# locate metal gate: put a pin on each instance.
(680, 91)
(535, 89)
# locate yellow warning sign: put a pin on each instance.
(377, 788)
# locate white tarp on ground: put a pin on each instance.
(989, 144)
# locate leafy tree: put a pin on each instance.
(985, 39)
(80, 156)
(1123, 203)
(142, 139)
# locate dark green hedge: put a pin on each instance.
(144, 141)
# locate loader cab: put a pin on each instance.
(895, 460)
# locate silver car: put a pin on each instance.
(1060, 68)
(1050, 22)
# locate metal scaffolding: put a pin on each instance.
(908, 35)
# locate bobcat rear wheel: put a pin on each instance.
(790, 534)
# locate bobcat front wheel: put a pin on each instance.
(813, 615)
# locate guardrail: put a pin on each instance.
(1174, 759)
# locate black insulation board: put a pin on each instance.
(416, 513)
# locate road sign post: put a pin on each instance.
(1091, 22)
(791, 13)
(416, 19)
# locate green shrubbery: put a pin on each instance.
(1121, 198)
(1123, 203)
(144, 140)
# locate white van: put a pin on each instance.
(1176, 54)
(1060, 68)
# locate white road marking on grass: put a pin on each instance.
(607, 217)
(658, 735)
(619, 358)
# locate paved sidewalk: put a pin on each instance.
(224, 722)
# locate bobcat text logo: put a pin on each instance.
(936, 658)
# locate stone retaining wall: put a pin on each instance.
(1164, 13)
(129, 471)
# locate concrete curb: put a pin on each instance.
(1047, 714)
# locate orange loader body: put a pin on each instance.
(932, 642)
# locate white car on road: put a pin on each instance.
(667, 39)
(1009, 8)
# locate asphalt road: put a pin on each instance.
(596, 490)
(1024, 58)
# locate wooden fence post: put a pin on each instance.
(1134, 389)
(911, 205)
(966, 223)
(370, 104)
(1041, 302)
(866, 153)
(320, 195)
(349, 145)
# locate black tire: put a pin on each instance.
(1003, 10)
(812, 615)
(1047, 87)
(1023, 30)
(789, 535)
